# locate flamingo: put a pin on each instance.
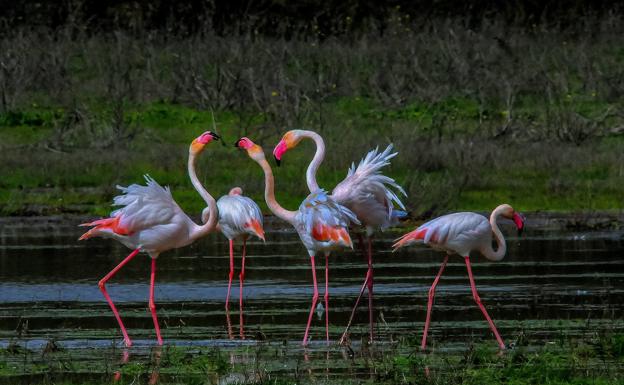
(365, 191)
(239, 217)
(151, 221)
(321, 223)
(461, 233)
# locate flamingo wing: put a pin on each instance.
(239, 215)
(324, 222)
(143, 207)
(370, 194)
(458, 232)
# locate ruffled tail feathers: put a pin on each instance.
(416, 236)
(106, 224)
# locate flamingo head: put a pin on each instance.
(197, 146)
(519, 219)
(289, 141)
(253, 150)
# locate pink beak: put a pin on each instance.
(279, 150)
(519, 221)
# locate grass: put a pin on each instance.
(449, 174)
(593, 360)
(480, 116)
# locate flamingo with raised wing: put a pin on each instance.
(151, 221)
(365, 191)
(321, 223)
(461, 233)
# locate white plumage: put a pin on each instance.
(236, 215)
(369, 193)
(149, 219)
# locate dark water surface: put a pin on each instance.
(551, 279)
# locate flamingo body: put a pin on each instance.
(322, 223)
(239, 216)
(365, 191)
(149, 219)
(457, 233)
(462, 233)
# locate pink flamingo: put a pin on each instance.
(365, 191)
(151, 221)
(461, 233)
(239, 217)
(321, 223)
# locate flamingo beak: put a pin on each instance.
(279, 151)
(519, 221)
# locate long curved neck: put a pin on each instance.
(501, 248)
(269, 194)
(319, 155)
(211, 223)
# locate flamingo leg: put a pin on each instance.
(227, 299)
(314, 299)
(430, 302)
(241, 278)
(477, 299)
(327, 298)
(102, 285)
(369, 274)
(152, 304)
(357, 302)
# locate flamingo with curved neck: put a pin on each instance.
(461, 233)
(365, 191)
(321, 223)
(151, 221)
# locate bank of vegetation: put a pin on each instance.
(483, 108)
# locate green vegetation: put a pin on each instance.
(526, 115)
(595, 360)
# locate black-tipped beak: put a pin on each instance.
(236, 143)
(215, 136)
(277, 161)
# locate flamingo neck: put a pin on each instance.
(319, 155)
(269, 194)
(211, 221)
(501, 245)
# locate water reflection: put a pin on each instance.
(48, 290)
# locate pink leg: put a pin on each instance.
(102, 285)
(327, 298)
(314, 299)
(227, 299)
(430, 302)
(477, 299)
(369, 273)
(241, 277)
(357, 302)
(152, 304)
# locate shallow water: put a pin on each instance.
(551, 279)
